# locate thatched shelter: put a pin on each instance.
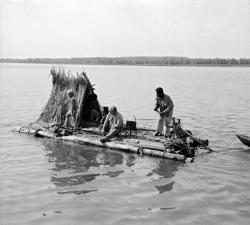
(58, 104)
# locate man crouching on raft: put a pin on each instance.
(113, 124)
(166, 106)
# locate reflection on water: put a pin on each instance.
(166, 187)
(77, 192)
(73, 165)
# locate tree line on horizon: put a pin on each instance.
(140, 60)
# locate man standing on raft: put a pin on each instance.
(72, 109)
(113, 124)
(166, 106)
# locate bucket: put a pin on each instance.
(131, 125)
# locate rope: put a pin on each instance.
(231, 142)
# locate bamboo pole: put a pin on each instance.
(163, 154)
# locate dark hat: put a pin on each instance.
(159, 92)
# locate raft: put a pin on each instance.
(144, 143)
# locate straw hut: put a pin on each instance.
(58, 104)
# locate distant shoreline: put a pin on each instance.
(137, 61)
(160, 65)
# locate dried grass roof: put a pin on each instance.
(66, 79)
(58, 104)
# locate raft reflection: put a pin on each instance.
(166, 170)
(76, 165)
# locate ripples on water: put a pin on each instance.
(50, 182)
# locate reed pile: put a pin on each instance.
(58, 104)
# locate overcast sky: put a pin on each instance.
(81, 28)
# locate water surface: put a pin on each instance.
(50, 182)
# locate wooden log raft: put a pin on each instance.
(144, 150)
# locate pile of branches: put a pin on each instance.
(180, 143)
(179, 146)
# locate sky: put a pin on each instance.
(87, 28)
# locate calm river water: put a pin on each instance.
(48, 182)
